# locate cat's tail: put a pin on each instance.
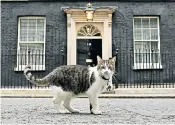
(32, 79)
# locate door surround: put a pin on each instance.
(76, 16)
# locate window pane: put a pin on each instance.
(138, 57)
(154, 46)
(36, 54)
(32, 24)
(22, 60)
(145, 22)
(153, 23)
(146, 52)
(138, 50)
(40, 23)
(40, 35)
(146, 57)
(31, 35)
(146, 47)
(23, 35)
(137, 34)
(154, 58)
(38, 59)
(22, 55)
(154, 34)
(23, 23)
(138, 45)
(96, 33)
(89, 30)
(137, 23)
(35, 48)
(32, 47)
(146, 34)
(23, 48)
(29, 31)
(142, 52)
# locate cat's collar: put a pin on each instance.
(104, 78)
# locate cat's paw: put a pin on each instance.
(61, 111)
(96, 112)
(110, 87)
(75, 111)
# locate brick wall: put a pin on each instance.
(56, 34)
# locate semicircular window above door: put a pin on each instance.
(88, 31)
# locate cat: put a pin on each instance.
(71, 80)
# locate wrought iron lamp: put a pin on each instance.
(89, 12)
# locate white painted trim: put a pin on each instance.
(69, 39)
(158, 40)
(110, 34)
(92, 37)
(146, 17)
(147, 40)
(33, 68)
(31, 42)
(26, 42)
(75, 16)
(92, 29)
(105, 42)
(73, 44)
(147, 66)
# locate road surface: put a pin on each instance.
(115, 111)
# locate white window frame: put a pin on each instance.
(147, 65)
(33, 67)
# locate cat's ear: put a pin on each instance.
(98, 59)
(114, 58)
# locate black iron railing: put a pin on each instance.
(148, 69)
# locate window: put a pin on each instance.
(146, 42)
(31, 43)
(89, 31)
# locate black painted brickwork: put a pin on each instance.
(56, 30)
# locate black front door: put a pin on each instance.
(88, 49)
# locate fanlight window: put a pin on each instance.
(88, 30)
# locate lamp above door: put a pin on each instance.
(89, 12)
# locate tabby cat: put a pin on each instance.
(71, 80)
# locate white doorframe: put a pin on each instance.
(75, 16)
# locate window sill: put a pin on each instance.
(138, 66)
(33, 68)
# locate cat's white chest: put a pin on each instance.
(98, 85)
